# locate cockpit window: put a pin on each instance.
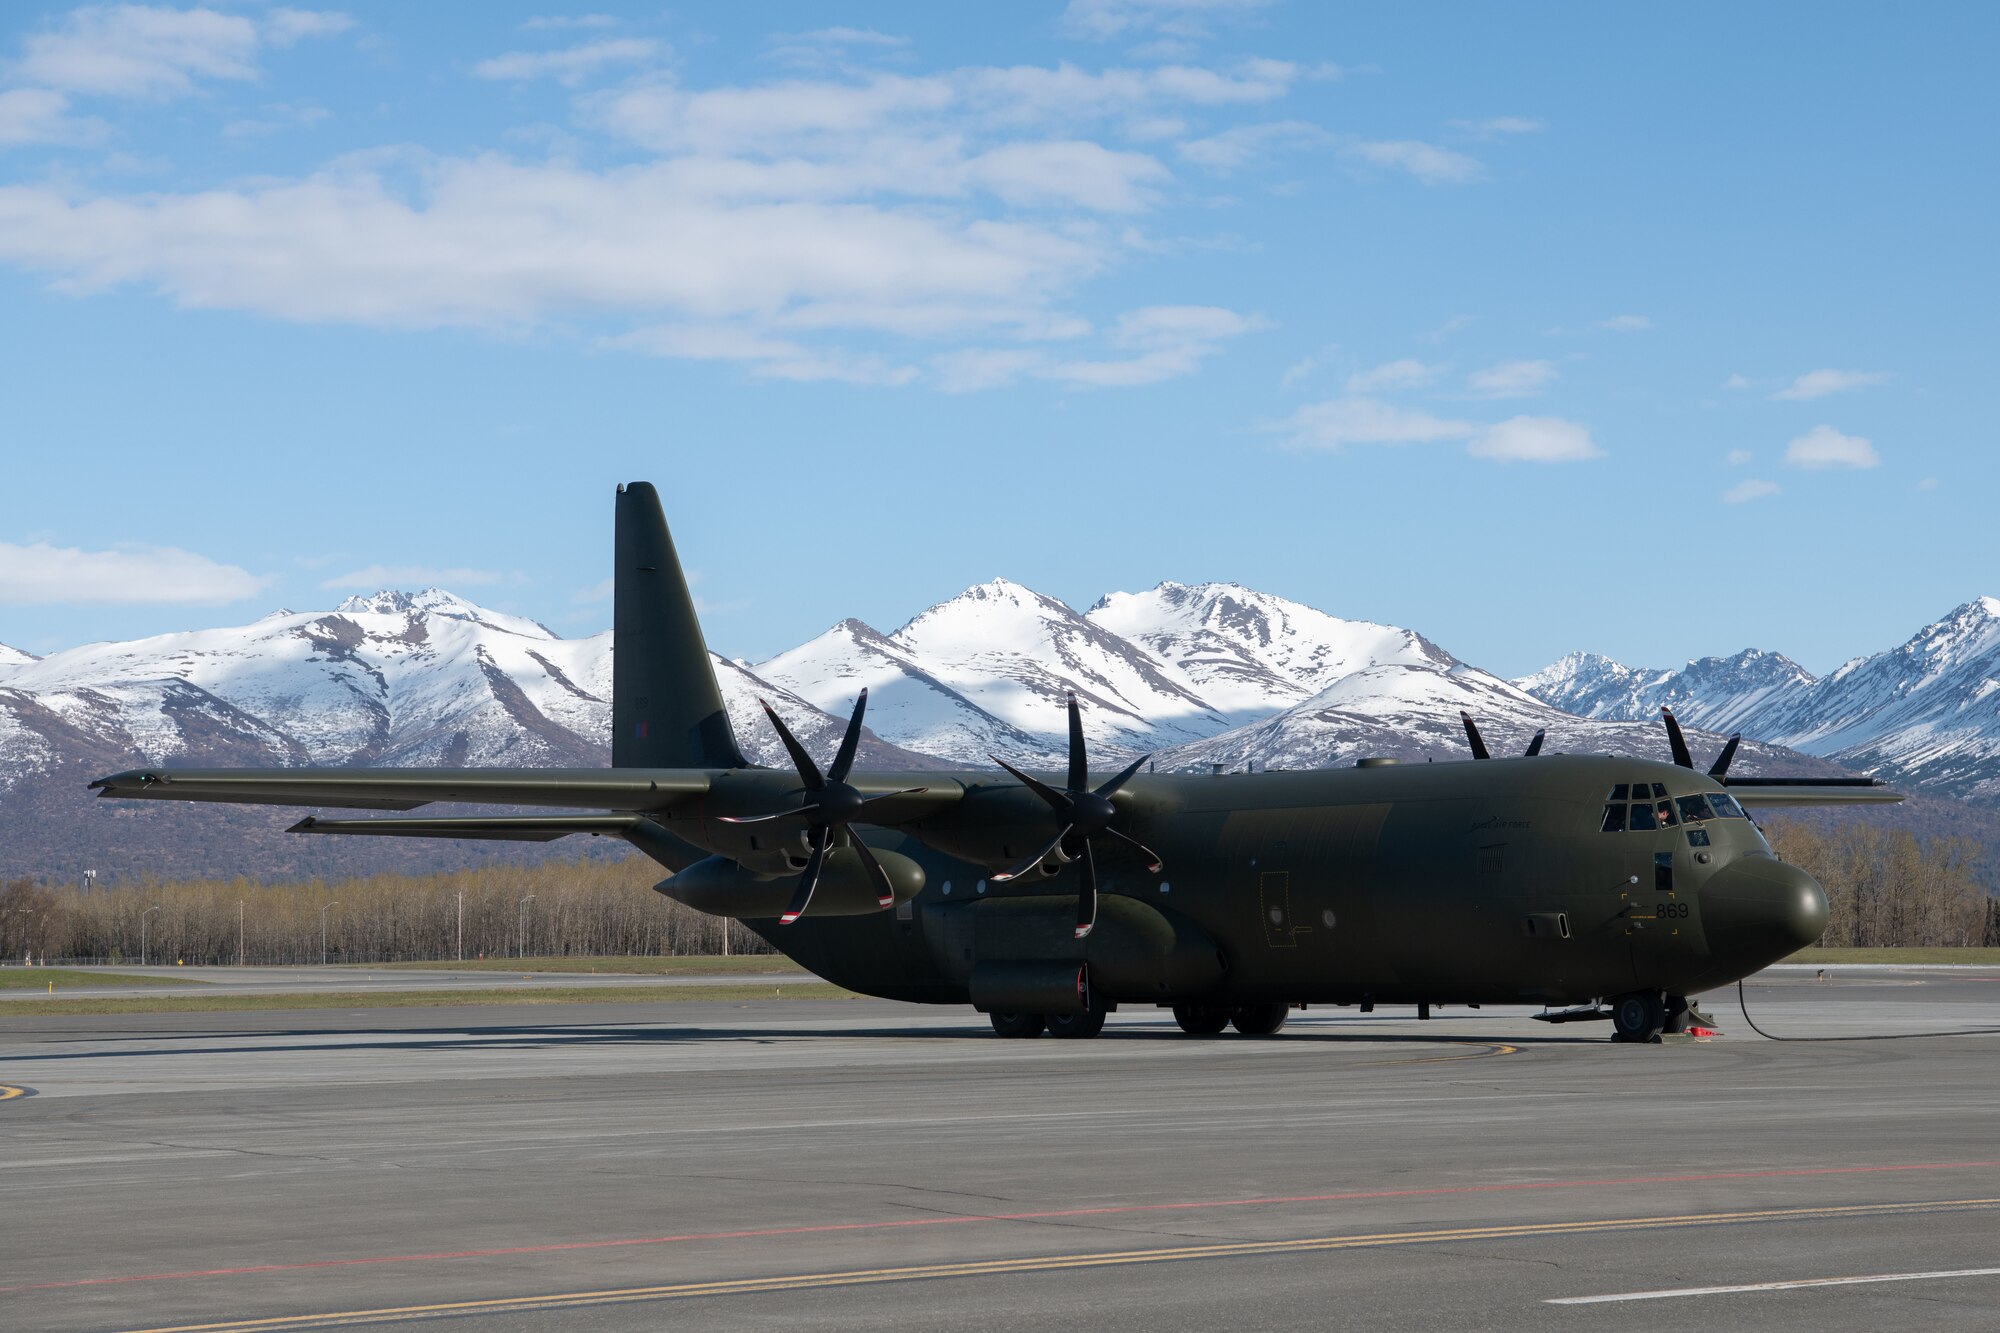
(1641, 819)
(1659, 791)
(1666, 809)
(1614, 819)
(1726, 806)
(1619, 792)
(1694, 809)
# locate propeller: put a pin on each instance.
(1082, 814)
(1478, 742)
(830, 804)
(1717, 770)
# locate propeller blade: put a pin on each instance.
(1153, 862)
(1041, 789)
(809, 881)
(889, 796)
(1472, 736)
(802, 761)
(805, 809)
(1535, 745)
(1034, 860)
(1079, 762)
(885, 892)
(1086, 900)
(844, 760)
(1124, 777)
(1720, 767)
(1675, 739)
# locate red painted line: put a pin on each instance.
(560, 1246)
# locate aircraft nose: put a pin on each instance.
(1757, 910)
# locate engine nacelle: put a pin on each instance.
(722, 887)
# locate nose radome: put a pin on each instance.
(1757, 910)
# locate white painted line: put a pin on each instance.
(1792, 1285)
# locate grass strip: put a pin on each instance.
(682, 966)
(38, 978)
(1824, 954)
(213, 1003)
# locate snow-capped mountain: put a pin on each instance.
(10, 658)
(1926, 713)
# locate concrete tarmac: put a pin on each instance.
(863, 1165)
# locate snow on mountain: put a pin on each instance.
(1248, 652)
(1926, 713)
(11, 658)
(1720, 693)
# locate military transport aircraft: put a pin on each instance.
(1605, 886)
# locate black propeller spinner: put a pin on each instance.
(830, 804)
(1678, 743)
(1083, 814)
(1478, 742)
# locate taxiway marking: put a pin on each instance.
(8, 1093)
(1044, 1215)
(1792, 1284)
(1053, 1263)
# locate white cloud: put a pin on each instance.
(1736, 382)
(1820, 383)
(41, 115)
(1155, 343)
(1625, 324)
(1928, 484)
(1495, 127)
(558, 22)
(43, 575)
(1738, 457)
(1456, 324)
(1743, 492)
(1427, 162)
(1823, 447)
(1102, 20)
(1512, 379)
(1391, 376)
(1343, 421)
(374, 578)
(1072, 172)
(767, 357)
(146, 52)
(570, 66)
(1247, 144)
(1535, 440)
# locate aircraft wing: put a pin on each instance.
(408, 788)
(1760, 793)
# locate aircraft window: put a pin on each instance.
(1697, 837)
(1695, 809)
(1614, 819)
(1726, 807)
(1641, 819)
(1659, 791)
(1666, 809)
(1619, 792)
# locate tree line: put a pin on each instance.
(1884, 887)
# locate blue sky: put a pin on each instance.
(1658, 334)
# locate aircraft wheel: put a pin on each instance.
(1086, 1024)
(1016, 1024)
(1638, 1016)
(1680, 1014)
(1260, 1020)
(1200, 1020)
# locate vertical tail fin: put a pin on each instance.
(666, 711)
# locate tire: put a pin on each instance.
(1260, 1020)
(1638, 1016)
(1016, 1024)
(1200, 1021)
(1680, 1015)
(1086, 1024)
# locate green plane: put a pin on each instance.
(1593, 886)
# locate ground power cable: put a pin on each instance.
(1744, 1005)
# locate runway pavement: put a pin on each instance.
(867, 1165)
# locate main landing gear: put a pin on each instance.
(1252, 1020)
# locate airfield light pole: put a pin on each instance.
(239, 932)
(322, 929)
(461, 925)
(143, 923)
(521, 927)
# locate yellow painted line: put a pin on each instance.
(1488, 1050)
(8, 1094)
(1050, 1264)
